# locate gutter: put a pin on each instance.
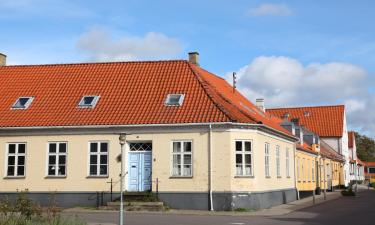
(210, 167)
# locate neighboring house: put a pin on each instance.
(370, 171)
(328, 122)
(356, 166)
(360, 170)
(188, 132)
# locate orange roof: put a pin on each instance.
(131, 93)
(369, 163)
(351, 137)
(326, 121)
(306, 148)
(360, 162)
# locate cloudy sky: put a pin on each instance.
(292, 53)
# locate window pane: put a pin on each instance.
(239, 170)
(21, 160)
(176, 159)
(52, 147)
(93, 159)
(20, 170)
(61, 170)
(21, 148)
(103, 147)
(176, 146)
(238, 145)
(103, 159)
(52, 160)
(187, 159)
(93, 170)
(247, 159)
(103, 170)
(238, 158)
(62, 147)
(176, 170)
(62, 160)
(247, 170)
(187, 146)
(93, 147)
(51, 170)
(248, 146)
(12, 148)
(10, 171)
(88, 100)
(11, 160)
(187, 170)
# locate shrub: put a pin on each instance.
(26, 207)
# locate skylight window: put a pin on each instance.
(88, 101)
(174, 99)
(22, 103)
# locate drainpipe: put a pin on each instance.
(295, 174)
(210, 167)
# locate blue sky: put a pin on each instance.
(315, 40)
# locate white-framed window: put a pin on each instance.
(244, 165)
(267, 159)
(298, 169)
(182, 159)
(287, 161)
(98, 158)
(57, 159)
(303, 170)
(308, 169)
(16, 160)
(174, 99)
(88, 101)
(313, 170)
(278, 172)
(22, 103)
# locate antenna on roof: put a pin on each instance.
(234, 82)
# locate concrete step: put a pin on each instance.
(135, 206)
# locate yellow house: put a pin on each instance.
(190, 136)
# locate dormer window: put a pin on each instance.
(22, 103)
(174, 99)
(88, 101)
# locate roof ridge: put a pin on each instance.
(97, 63)
(299, 107)
(200, 80)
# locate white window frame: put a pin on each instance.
(98, 154)
(298, 169)
(93, 103)
(287, 163)
(180, 101)
(182, 153)
(278, 168)
(26, 105)
(313, 170)
(303, 170)
(267, 159)
(308, 169)
(56, 155)
(16, 154)
(244, 153)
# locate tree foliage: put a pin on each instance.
(365, 147)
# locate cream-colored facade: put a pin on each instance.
(223, 162)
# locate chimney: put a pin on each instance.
(260, 104)
(3, 59)
(194, 58)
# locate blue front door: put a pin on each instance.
(139, 171)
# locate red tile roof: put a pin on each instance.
(351, 137)
(131, 93)
(369, 163)
(306, 148)
(326, 121)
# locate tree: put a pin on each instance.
(365, 147)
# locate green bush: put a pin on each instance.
(348, 192)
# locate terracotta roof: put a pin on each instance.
(131, 93)
(328, 152)
(360, 162)
(326, 121)
(351, 137)
(369, 163)
(306, 148)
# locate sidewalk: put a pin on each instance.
(274, 211)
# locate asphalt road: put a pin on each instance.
(358, 210)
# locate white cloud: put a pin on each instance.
(285, 82)
(101, 46)
(269, 9)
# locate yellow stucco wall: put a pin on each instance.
(223, 163)
(306, 171)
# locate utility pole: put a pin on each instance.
(122, 141)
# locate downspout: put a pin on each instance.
(210, 167)
(295, 175)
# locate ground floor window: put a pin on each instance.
(57, 159)
(244, 166)
(16, 156)
(182, 158)
(98, 158)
